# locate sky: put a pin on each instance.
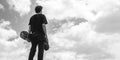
(77, 29)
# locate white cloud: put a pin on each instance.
(109, 24)
(64, 55)
(1, 6)
(11, 49)
(61, 9)
(77, 41)
(113, 49)
(5, 31)
(84, 38)
(21, 6)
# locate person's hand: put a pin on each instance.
(28, 40)
(46, 46)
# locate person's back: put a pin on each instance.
(36, 22)
(38, 29)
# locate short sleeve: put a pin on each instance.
(44, 20)
(30, 22)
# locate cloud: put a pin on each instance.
(68, 34)
(71, 41)
(96, 39)
(11, 46)
(21, 6)
(60, 9)
(5, 31)
(90, 10)
(1, 6)
(109, 24)
(65, 55)
(84, 40)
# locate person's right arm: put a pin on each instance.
(44, 28)
(45, 31)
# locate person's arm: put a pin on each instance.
(29, 30)
(46, 43)
(44, 27)
(30, 23)
(45, 31)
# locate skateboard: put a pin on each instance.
(24, 35)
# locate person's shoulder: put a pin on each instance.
(33, 15)
(38, 15)
(41, 14)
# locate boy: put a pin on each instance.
(37, 27)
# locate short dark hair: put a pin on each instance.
(38, 9)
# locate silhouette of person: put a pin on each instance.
(37, 27)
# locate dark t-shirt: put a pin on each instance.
(36, 22)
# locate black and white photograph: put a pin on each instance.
(59, 29)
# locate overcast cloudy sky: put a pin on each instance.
(77, 29)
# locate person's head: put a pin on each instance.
(38, 9)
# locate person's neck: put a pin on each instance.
(40, 13)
